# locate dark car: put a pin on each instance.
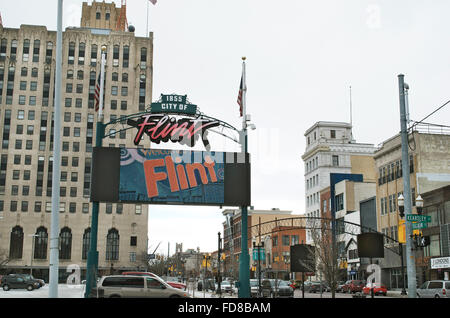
(317, 287)
(41, 282)
(353, 286)
(276, 288)
(19, 282)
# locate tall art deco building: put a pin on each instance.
(27, 83)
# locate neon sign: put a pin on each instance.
(163, 128)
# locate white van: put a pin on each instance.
(434, 289)
(135, 287)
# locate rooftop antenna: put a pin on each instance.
(351, 119)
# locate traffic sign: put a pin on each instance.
(418, 218)
(420, 225)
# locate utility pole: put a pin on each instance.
(410, 256)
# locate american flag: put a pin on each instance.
(97, 94)
(153, 1)
(239, 99)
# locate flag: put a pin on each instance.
(239, 99)
(153, 1)
(97, 93)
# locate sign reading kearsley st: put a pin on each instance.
(418, 218)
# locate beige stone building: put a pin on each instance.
(27, 76)
(429, 160)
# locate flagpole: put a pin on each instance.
(146, 34)
(244, 260)
(92, 261)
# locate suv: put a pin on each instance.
(434, 289)
(19, 282)
(353, 286)
(276, 288)
(135, 287)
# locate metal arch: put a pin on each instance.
(302, 222)
(122, 121)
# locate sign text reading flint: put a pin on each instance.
(164, 128)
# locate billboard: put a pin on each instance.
(370, 245)
(303, 258)
(160, 176)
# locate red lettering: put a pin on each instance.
(152, 177)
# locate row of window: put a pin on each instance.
(72, 206)
(312, 182)
(25, 50)
(391, 232)
(286, 240)
(389, 204)
(41, 239)
(312, 199)
(393, 171)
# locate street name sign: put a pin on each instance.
(420, 225)
(418, 218)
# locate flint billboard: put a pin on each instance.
(179, 177)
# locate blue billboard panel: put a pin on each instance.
(171, 177)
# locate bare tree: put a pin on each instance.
(325, 252)
(4, 258)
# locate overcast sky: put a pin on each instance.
(302, 56)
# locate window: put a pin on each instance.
(112, 245)
(275, 241)
(26, 50)
(86, 242)
(138, 209)
(85, 208)
(37, 206)
(98, 15)
(119, 208)
(108, 208)
(16, 243)
(36, 48)
(333, 134)
(133, 241)
(114, 90)
(68, 102)
(71, 52)
(40, 243)
(285, 240)
(78, 103)
(335, 161)
(340, 202)
(65, 243)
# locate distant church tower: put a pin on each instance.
(101, 15)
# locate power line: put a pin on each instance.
(446, 103)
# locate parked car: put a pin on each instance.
(317, 287)
(276, 288)
(14, 281)
(131, 286)
(40, 281)
(339, 287)
(434, 289)
(377, 289)
(254, 288)
(353, 286)
(226, 287)
(172, 284)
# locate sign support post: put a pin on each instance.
(244, 259)
(92, 261)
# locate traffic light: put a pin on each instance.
(420, 240)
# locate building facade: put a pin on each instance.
(232, 235)
(27, 83)
(429, 163)
(330, 148)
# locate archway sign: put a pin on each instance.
(164, 176)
